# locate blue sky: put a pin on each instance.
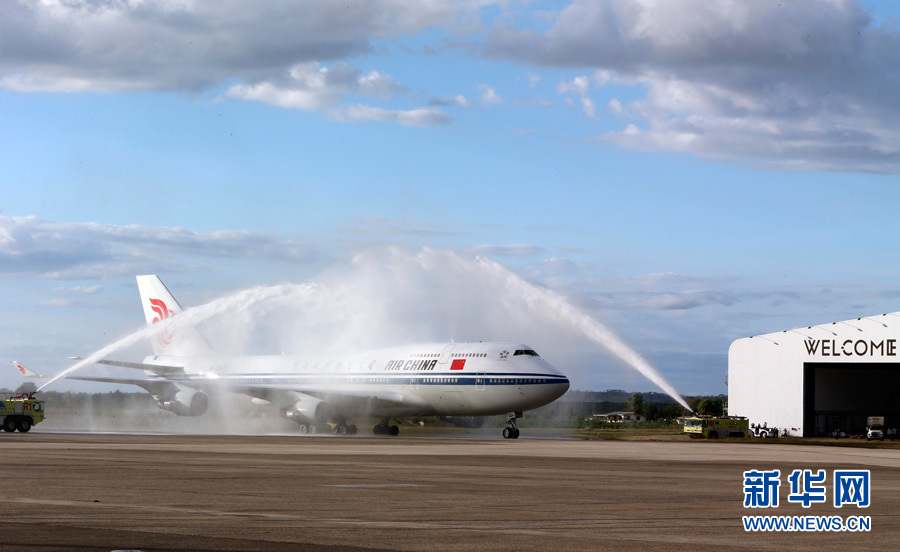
(687, 180)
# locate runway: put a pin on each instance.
(212, 493)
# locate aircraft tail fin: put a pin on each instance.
(159, 304)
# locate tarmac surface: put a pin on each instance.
(210, 493)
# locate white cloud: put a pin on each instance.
(57, 302)
(194, 45)
(312, 87)
(57, 250)
(537, 101)
(380, 86)
(489, 96)
(518, 251)
(554, 267)
(411, 117)
(44, 83)
(458, 100)
(587, 105)
(664, 291)
(274, 51)
(388, 227)
(78, 290)
(806, 84)
(579, 86)
(602, 77)
(681, 301)
(615, 106)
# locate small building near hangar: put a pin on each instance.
(619, 417)
(814, 380)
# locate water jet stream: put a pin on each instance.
(592, 329)
(189, 317)
(394, 296)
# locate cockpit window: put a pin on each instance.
(528, 352)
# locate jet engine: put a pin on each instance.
(186, 402)
(309, 410)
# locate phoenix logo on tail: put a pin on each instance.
(160, 308)
(21, 368)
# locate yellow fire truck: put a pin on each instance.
(21, 412)
(712, 427)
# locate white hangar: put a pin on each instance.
(816, 379)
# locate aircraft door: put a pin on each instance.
(445, 354)
(479, 381)
(414, 382)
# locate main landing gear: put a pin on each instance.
(342, 428)
(339, 428)
(512, 430)
(385, 428)
(311, 429)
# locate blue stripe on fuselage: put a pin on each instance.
(388, 379)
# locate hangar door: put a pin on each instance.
(842, 395)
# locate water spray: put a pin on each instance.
(394, 296)
(592, 329)
(189, 317)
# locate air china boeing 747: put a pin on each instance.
(442, 379)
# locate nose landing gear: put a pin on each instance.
(512, 430)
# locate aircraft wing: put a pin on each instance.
(278, 394)
(151, 386)
(341, 398)
(275, 394)
(161, 369)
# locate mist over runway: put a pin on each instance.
(106, 492)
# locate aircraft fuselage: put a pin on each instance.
(447, 379)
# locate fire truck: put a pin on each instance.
(21, 412)
(713, 427)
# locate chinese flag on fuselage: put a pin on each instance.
(458, 364)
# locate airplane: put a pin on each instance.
(322, 393)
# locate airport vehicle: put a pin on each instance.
(875, 428)
(322, 393)
(21, 412)
(761, 430)
(716, 427)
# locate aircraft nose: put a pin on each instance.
(562, 379)
(561, 383)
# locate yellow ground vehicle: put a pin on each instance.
(712, 427)
(21, 412)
